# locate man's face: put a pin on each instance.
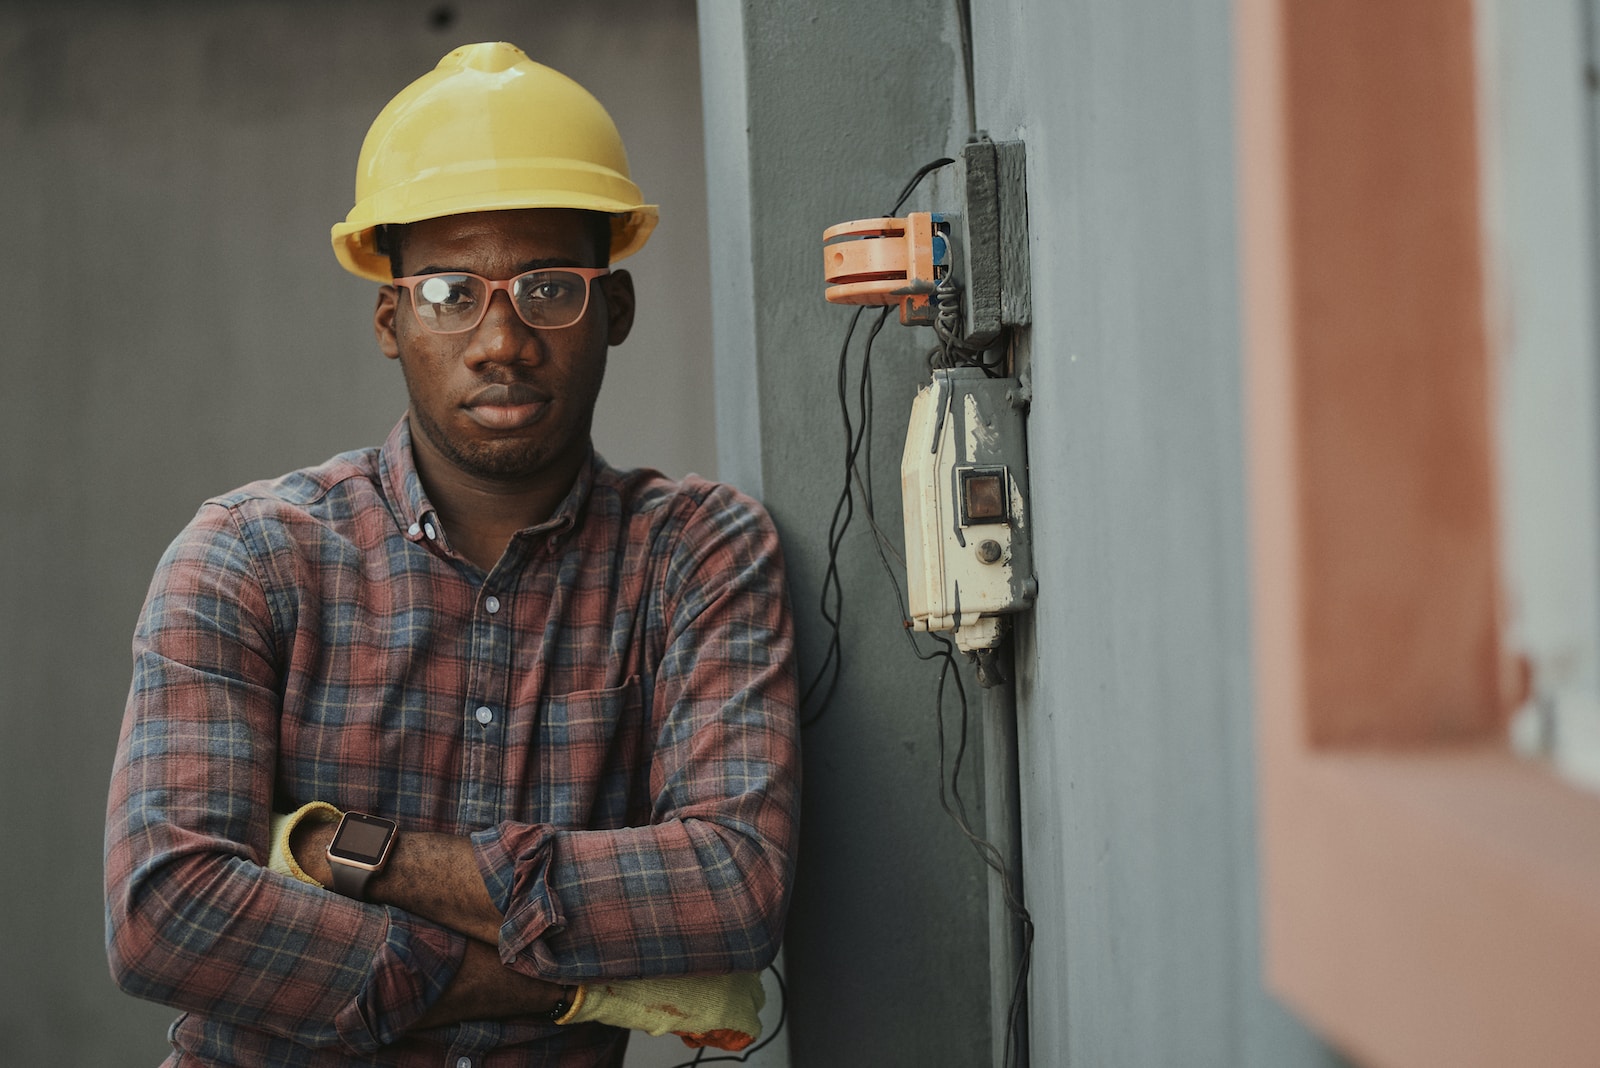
(503, 402)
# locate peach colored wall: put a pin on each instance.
(1428, 898)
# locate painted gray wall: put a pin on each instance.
(1135, 695)
(886, 949)
(174, 324)
(1135, 701)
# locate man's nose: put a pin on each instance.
(502, 336)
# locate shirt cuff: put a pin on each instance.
(514, 860)
(417, 961)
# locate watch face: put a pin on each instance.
(361, 839)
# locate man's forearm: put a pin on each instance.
(485, 989)
(434, 876)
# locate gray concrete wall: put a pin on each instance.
(1134, 702)
(175, 324)
(886, 949)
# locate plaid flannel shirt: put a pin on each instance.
(609, 713)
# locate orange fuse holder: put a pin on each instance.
(888, 261)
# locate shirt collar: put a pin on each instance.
(401, 485)
(570, 511)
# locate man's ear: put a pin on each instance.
(383, 321)
(618, 287)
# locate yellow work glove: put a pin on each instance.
(715, 1010)
(281, 859)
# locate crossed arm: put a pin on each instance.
(431, 876)
(435, 876)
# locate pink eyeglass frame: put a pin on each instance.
(588, 274)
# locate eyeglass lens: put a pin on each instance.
(546, 299)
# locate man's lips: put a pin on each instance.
(505, 407)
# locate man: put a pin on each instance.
(470, 749)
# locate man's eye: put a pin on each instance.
(448, 292)
(549, 290)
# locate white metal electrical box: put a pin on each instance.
(964, 480)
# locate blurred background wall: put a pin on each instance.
(173, 324)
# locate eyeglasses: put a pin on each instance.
(546, 299)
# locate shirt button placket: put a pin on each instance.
(481, 754)
(484, 714)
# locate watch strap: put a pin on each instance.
(349, 880)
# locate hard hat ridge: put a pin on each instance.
(489, 129)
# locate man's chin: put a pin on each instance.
(507, 458)
(509, 462)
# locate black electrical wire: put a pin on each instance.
(954, 806)
(986, 850)
(843, 511)
(831, 598)
(916, 180)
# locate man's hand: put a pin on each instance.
(485, 989)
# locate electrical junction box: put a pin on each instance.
(964, 481)
(981, 250)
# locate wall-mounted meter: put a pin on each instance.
(964, 479)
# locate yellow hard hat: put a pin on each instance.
(489, 129)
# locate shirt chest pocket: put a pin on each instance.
(592, 755)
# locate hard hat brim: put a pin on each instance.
(355, 246)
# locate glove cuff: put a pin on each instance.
(572, 1014)
(281, 858)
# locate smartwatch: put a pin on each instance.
(358, 851)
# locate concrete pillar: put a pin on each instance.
(887, 942)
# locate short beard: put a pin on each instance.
(507, 461)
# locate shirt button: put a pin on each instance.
(463, 1062)
(414, 530)
(432, 534)
(491, 604)
(484, 715)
